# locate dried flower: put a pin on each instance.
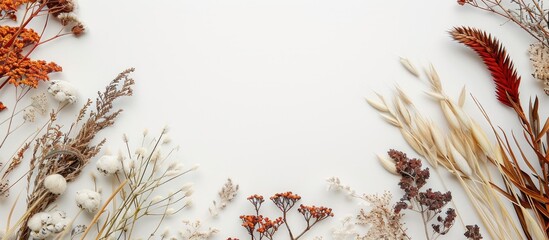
(55, 183)
(20, 69)
(265, 227)
(384, 222)
(62, 91)
(226, 195)
(539, 57)
(109, 165)
(428, 203)
(473, 232)
(29, 114)
(174, 168)
(193, 231)
(88, 200)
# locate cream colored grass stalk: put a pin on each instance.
(462, 152)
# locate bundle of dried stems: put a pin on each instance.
(61, 152)
(468, 154)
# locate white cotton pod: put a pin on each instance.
(62, 91)
(88, 200)
(60, 226)
(55, 183)
(38, 220)
(43, 233)
(109, 164)
(58, 216)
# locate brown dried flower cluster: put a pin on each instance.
(428, 203)
(259, 227)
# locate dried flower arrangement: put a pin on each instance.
(385, 220)
(468, 154)
(260, 227)
(532, 17)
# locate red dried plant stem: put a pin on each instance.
(497, 61)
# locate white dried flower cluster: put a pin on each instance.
(62, 91)
(174, 168)
(46, 224)
(109, 165)
(346, 231)
(88, 200)
(55, 184)
(39, 104)
(335, 184)
(193, 231)
(383, 221)
(539, 57)
(29, 114)
(226, 195)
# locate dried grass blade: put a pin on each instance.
(409, 66)
(533, 227)
(392, 120)
(380, 106)
(543, 131)
(387, 163)
(462, 95)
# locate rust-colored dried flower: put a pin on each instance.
(318, 213)
(259, 227)
(285, 201)
(9, 7)
(16, 65)
(250, 221)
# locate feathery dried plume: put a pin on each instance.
(226, 195)
(496, 59)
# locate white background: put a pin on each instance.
(271, 93)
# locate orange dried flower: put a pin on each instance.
(9, 7)
(15, 64)
(318, 213)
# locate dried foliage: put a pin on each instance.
(532, 189)
(259, 227)
(62, 152)
(465, 151)
(428, 203)
(138, 179)
(530, 15)
(385, 219)
(17, 43)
